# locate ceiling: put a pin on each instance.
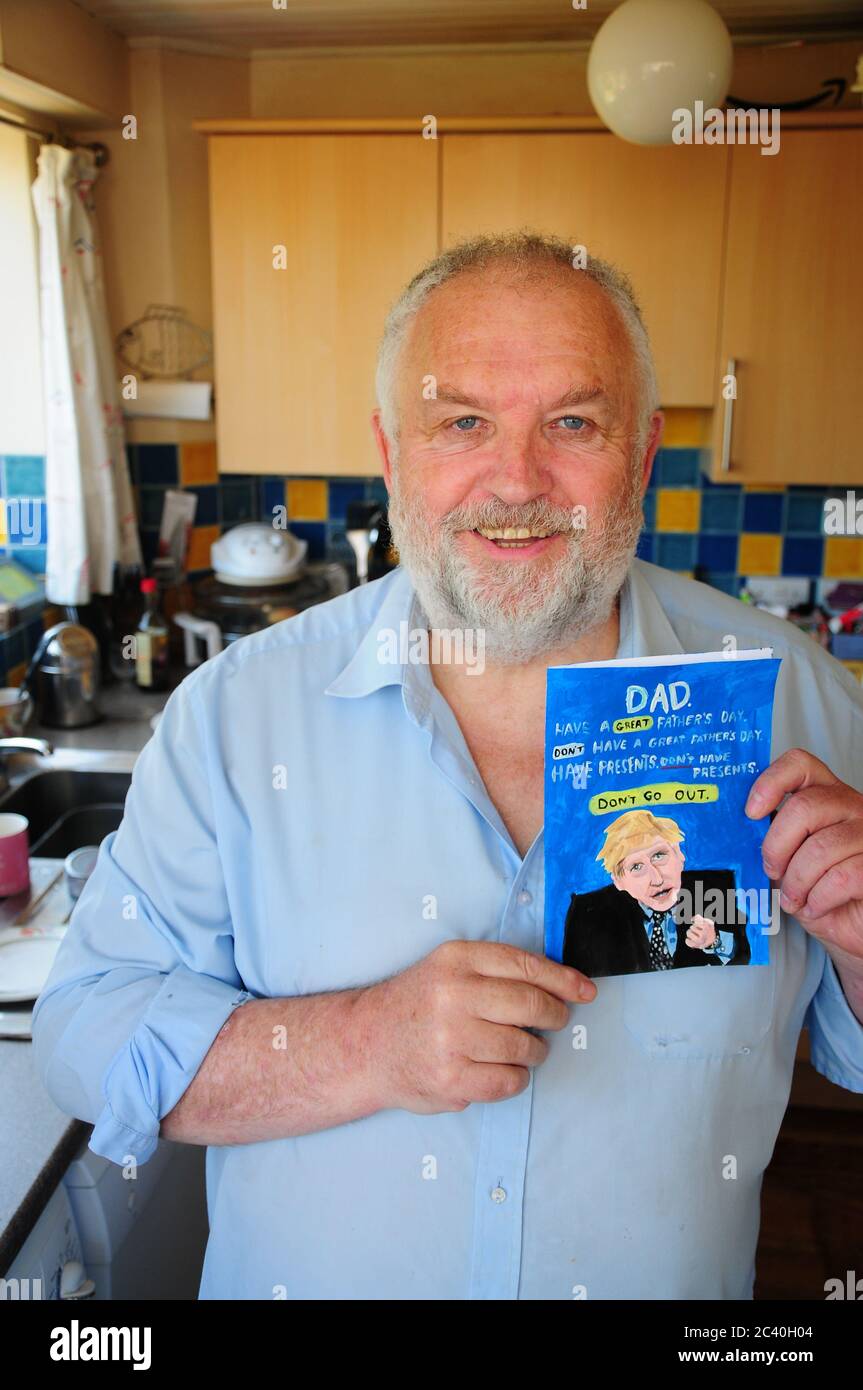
(246, 25)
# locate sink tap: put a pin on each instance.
(21, 745)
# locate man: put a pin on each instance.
(314, 944)
(637, 922)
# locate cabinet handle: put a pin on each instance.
(728, 420)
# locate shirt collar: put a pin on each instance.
(369, 668)
(644, 631)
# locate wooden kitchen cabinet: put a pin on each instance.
(792, 315)
(655, 212)
(295, 346)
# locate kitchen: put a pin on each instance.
(254, 186)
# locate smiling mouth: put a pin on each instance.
(513, 537)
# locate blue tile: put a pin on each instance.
(315, 532)
(653, 480)
(762, 511)
(157, 463)
(24, 475)
(718, 553)
(727, 583)
(644, 550)
(341, 494)
(678, 468)
(338, 546)
(207, 510)
(32, 557)
(376, 490)
(648, 507)
(675, 551)
(132, 460)
(802, 556)
(238, 502)
(272, 495)
(253, 478)
(804, 512)
(710, 486)
(720, 511)
(34, 631)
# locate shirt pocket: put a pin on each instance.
(700, 1014)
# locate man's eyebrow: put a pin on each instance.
(576, 395)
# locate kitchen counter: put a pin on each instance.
(37, 1141)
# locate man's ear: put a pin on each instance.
(654, 438)
(384, 448)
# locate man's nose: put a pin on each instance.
(519, 474)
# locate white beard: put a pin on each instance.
(523, 610)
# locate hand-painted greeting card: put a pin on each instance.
(650, 860)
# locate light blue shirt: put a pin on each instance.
(723, 950)
(306, 818)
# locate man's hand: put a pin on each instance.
(453, 1028)
(702, 934)
(814, 851)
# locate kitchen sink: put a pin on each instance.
(68, 808)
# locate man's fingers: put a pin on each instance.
(790, 772)
(512, 1001)
(819, 855)
(509, 962)
(490, 1042)
(813, 809)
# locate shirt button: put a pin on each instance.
(498, 1194)
(524, 897)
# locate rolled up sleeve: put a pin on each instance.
(145, 977)
(835, 1033)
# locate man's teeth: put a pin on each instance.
(513, 534)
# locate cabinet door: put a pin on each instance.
(793, 312)
(296, 334)
(657, 213)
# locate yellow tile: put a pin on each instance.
(2, 522)
(15, 675)
(198, 463)
(201, 539)
(843, 557)
(308, 499)
(764, 487)
(759, 554)
(687, 429)
(678, 509)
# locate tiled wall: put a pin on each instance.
(721, 533)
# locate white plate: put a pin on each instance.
(26, 957)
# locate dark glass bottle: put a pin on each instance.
(151, 642)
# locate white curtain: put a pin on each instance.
(91, 514)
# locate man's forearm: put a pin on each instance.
(278, 1068)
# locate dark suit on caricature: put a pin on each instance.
(606, 931)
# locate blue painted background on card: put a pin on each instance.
(717, 834)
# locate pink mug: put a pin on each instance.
(14, 854)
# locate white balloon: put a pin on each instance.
(654, 57)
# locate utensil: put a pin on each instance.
(78, 867)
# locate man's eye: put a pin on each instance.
(659, 856)
(466, 420)
(636, 868)
(574, 424)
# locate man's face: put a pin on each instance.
(531, 427)
(652, 875)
